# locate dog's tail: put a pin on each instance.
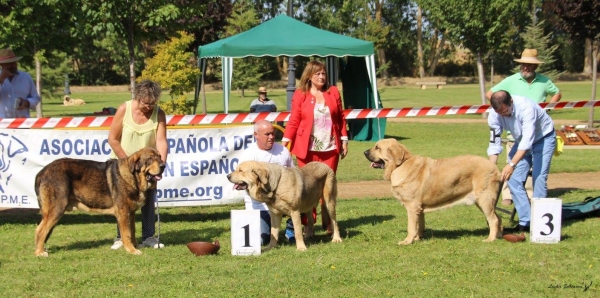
(329, 200)
(499, 190)
(331, 183)
(38, 181)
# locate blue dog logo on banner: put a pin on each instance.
(9, 148)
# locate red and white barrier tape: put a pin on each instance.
(105, 121)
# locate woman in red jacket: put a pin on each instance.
(317, 127)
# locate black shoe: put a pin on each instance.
(517, 229)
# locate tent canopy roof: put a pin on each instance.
(285, 36)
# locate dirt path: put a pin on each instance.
(381, 188)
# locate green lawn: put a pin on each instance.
(451, 261)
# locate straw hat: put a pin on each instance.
(529, 56)
(8, 56)
(262, 90)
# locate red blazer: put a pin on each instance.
(300, 124)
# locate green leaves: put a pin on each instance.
(174, 68)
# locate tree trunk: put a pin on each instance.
(492, 70)
(481, 80)
(38, 85)
(432, 51)
(131, 48)
(381, 52)
(282, 66)
(420, 42)
(438, 51)
(587, 56)
(595, 45)
(382, 61)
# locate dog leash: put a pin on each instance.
(158, 220)
(498, 198)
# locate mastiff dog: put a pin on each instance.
(423, 184)
(289, 191)
(117, 186)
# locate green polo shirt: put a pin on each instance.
(538, 90)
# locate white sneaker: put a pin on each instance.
(118, 244)
(152, 242)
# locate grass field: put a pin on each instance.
(451, 261)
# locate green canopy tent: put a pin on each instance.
(286, 36)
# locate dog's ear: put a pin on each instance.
(135, 162)
(398, 153)
(262, 176)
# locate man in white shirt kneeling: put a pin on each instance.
(265, 149)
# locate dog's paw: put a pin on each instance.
(43, 254)
(136, 252)
(337, 240)
(300, 246)
(269, 247)
(405, 242)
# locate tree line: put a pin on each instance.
(107, 42)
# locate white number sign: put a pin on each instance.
(245, 232)
(546, 220)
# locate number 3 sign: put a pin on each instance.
(546, 215)
(245, 232)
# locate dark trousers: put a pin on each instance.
(148, 216)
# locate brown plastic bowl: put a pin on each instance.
(200, 248)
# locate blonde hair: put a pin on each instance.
(311, 68)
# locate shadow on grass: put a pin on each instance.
(28, 216)
(365, 220)
(183, 237)
(20, 216)
(195, 217)
(558, 192)
(455, 234)
(179, 237)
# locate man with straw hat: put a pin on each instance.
(527, 82)
(262, 103)
(17, 91)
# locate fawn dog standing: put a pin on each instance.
(424, 184)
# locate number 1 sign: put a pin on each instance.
(546, 216)
(245, 232)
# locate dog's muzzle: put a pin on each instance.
(237, 185)
(156, 177)
(377, 164)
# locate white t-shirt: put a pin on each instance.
(278, 155)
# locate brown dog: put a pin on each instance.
(424, 184)
(289, 191)
(117, 186)
(68, 101)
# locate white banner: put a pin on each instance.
(197, 165)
